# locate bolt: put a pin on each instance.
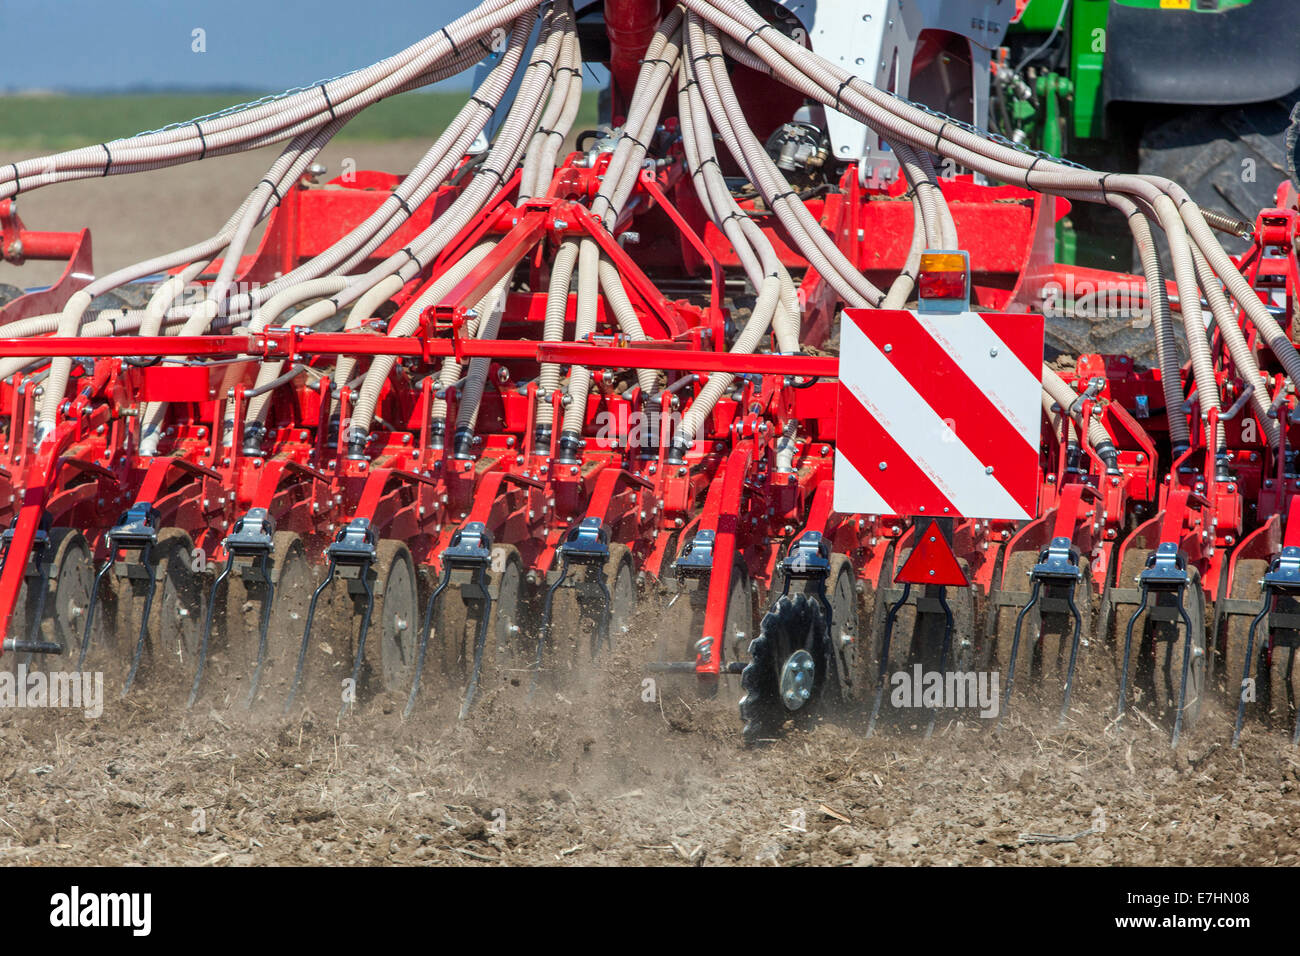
(988, 470)
(883, 466)
(888, 347)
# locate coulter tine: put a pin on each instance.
(1074, 655)
(146, 559)
(306, 635)
(207, 630)
(480, 642)
(90, 610)
(1015, 649)
(544, 632)
(943, 653)
(1128, 646)
(1187, 666)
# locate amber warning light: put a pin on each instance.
(943, 284)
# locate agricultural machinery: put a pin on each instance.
(760, 361)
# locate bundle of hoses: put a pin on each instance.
(687, 54)
(756, 44)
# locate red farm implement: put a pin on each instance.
(441, 430)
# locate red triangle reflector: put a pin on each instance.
(932, 562)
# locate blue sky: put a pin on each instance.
(261, 44)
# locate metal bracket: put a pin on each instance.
(696, 557)
(136, 532)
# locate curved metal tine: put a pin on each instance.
(1128, 646)
(146, 558)
(207, 629)
(1074, 652)
(264, 627)
(943, 653)
(884, 656)
(1187, 667)
(425, 629)
(350, 699)
(480, 642)
(90, 611)
(306, 636)
(1015, 649)
(544, 634)
(1245, 674)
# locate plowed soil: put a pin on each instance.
(592, 772)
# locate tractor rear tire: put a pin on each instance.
(1230, 159)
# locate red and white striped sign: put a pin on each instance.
(939, 415)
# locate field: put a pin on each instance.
(44, 123)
